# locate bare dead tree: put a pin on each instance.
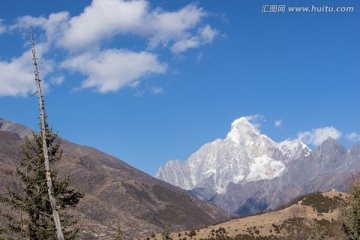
(55, 211)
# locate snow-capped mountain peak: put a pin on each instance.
(244, 155)
(242, 130)
(294, 149)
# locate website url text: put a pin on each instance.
(308, 9)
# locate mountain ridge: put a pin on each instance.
(259, 174)
(237, 158)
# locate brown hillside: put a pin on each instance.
(116, 194)
(282, 224)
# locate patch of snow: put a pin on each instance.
(265, 167)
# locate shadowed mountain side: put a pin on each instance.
(116, 194)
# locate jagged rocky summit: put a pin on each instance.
(247, 172)
(244, 155)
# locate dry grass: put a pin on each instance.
(264, 224)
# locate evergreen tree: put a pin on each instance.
(32, 200)
(350, 216)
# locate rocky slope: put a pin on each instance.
(247, 172)
(115, 193)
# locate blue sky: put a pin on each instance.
(152, 81)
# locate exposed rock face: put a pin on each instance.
(116, 193)
(247, 172)
(12, 126)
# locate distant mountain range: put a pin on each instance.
(116, 194)
(247, 172)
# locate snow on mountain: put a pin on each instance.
(294, 149)
(244, 155)
(247, 172)
(265, 168)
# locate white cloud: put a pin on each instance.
(174, 26)
(107, 69)
(256, 120)
(208, 34)
(319, 135)
(205, 35)
(2, 27)
(353, 137)
(156, 90)
(278, 123)
(17, 76)
(103, 19)
(53, 26)
(57, 80)
(114, 69)
(183, 45)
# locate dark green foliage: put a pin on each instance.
(166, 235)
(322, 229)
(253, 231)
(192, 233)
(322, 222)
(322, 204)
(31, 215)
(350, 216)
(276, 228)
(296, 228)
(221, 230)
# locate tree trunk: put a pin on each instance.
(52, 199)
